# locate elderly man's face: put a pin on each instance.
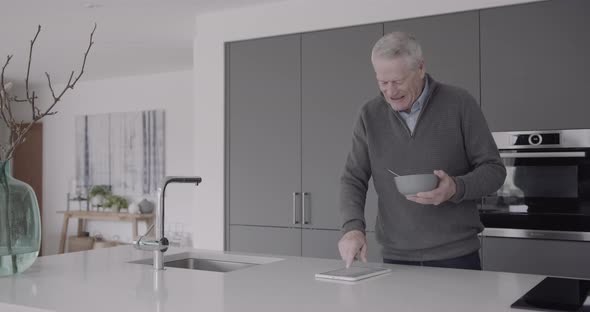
(400, 82)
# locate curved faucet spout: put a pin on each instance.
(159, 253)
(161, 195)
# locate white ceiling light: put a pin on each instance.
(90, 5)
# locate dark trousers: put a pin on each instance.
(468, 262)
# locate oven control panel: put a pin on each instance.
(535, 139)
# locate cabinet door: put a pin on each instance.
(324, 244)
(267, 240)
(450, 46)
(534, 65)
(264, 130)
(338, 79)
(535, 256)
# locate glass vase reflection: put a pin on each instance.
(20, 224)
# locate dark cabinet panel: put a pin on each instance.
(337, 79)
(450, 46)
(535, 256)
(266, 240)
(264, 130)
(534, 65)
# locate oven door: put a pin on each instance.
(544, 189)
(543, 181)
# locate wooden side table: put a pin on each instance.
(105, 216)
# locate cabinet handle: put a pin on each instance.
(295, 194)
(305, 220)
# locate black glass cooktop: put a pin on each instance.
(557, 294)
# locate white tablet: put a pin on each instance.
(352, 274)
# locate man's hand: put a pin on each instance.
(353, 245)
(445, 190)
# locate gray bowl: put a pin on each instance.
(415, 183)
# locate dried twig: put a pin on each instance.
(20, 129)
(31, 99)
(70, 84)
(4, 98)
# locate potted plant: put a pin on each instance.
(115, 202)
(98, 194)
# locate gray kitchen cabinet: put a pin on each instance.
(534, 65)
(292, 102)
(537, 256)
(266, 240)
(287, 142)
(337, 79)
(288, 241)
(324, 244)
(450, 46)
(264, 125)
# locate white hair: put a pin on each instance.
(398, 44)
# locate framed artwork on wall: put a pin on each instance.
(123, 150)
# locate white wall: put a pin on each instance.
(214, 29)
(169, 91)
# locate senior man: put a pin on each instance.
(418, 125)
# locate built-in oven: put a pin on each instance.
(546, 193)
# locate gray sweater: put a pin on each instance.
(451, 135)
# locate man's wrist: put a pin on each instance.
(453, 188)
(353, 225)
(459, 190)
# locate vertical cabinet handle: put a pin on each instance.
(295, 195)
(306, 219)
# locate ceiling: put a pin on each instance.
(133, 37)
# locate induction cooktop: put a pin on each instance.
(557, 294)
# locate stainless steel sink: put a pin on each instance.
(213, 262)
(208, 265)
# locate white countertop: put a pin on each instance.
(103, 280)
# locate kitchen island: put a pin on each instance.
(105, 280)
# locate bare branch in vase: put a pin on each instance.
(20, 129)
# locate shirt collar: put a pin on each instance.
(417, 105)
(420, 101)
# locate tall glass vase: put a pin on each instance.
(20, 223)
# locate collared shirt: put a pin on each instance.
(412, 117)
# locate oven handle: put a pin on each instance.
(537, 234)
(544, 155)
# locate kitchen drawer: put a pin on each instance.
(537, 256)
